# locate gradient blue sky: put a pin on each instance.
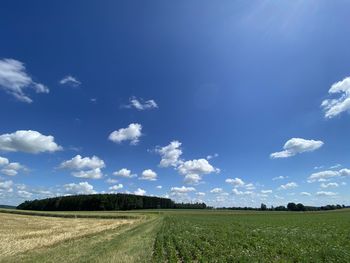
(235, 80)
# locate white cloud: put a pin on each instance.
(235, 191)
(140, 191)
(295, 146)
(80, 163)
(80, 188)
(28, 141)
(215, 155)
(236, 182)
(182, 190)
(111, 181)
(266, 191)
(24, 194)
(200, 166)
(90, 174)
(14, 80)
(6, 186)
(344, 172)
(70, 80)
(281, 177)
(140, 104)
(329, 185)
(287, 186)
(3, 161)
(200, 194)
(10, 169)
(323, 193)
(192, 179)
(159, 187)
(335, 166)
(116, 187)
(85, 167)
(249, 186)
(319, 176)
(216, 190)
(194, 169)
(305, 194)
(170, 154)
(124, 173)
(148, 175)
(132, 133)
(334, 107)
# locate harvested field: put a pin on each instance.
(20, 233)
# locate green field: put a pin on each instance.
(178, 236)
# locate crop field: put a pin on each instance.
(175, 236)
(254, 237)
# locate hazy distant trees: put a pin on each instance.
(263, 207)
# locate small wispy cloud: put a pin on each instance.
(71, 81)
(141, 104)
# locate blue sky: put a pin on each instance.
(192, 96)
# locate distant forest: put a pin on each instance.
(97, 202)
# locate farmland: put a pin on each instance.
(175, 236)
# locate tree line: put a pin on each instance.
(289, 207)
(96, 202)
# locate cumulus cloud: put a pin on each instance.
(124, 173)
(200, 194)
(132, 133)
(344, 172)
(182, 190)
(324, 193)
(235, 191)
(194, 169)
(333, 107)
(70, 80)
(200, 166)
(3, 161)
(148, 175)
(281, 177)
(192, 179)
(170, 154)
(24, 194)
(329, 185)
(111, 181)
(141, 104)
(14, 80)
(89, 174)
(266, 191)
(79, 163)
(80, 188)
(85, 167)
(323, 175)
(305, 194)
(10, 168)
(287, 186)
(159, 187)
(236, 182)
(6, 186)
(116, 187)
(28, 141)
(295, 146)
(216, 190)
(140, 191)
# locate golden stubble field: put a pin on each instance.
(20, 233)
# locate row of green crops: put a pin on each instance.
(255, 237)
